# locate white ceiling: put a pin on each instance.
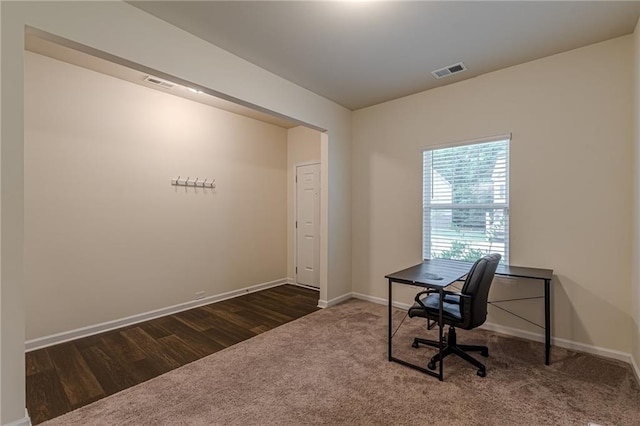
(359, 53)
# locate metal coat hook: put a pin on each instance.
(197, 183)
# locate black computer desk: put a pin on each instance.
(440, 273)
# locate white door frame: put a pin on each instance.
(295, 219)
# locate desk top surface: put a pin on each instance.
(432, 273)
(524, 272)
(442, 272)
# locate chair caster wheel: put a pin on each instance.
(482, 373)
(485, 353)
(431, 365)
(415, 344)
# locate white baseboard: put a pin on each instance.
(66, 336)
(25, 421)
(379, 300)
(515, 332)
(636, 370)
(326, 303)
(563, 343)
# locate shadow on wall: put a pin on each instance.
(517, 303)
(567, 297)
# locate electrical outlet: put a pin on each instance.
(199, 295)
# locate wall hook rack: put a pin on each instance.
(197, 182)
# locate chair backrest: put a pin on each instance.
(477, 286)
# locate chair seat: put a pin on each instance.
(450, 307)
(473, 296)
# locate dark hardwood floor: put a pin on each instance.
(64, 377)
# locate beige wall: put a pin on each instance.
(3, 309)
(146, 40)
(571, 175)
(635, 294)
(303, 145)
(106, 235)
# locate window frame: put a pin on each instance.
(427, 187)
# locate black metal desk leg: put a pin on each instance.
(441, 291)
(547, 320)
(390, 324)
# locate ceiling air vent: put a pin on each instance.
(450, 70)
(159, 82)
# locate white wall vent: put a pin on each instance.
(450, 70)
(159, 82)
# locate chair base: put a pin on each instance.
(453, 348)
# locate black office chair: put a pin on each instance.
(466, 310)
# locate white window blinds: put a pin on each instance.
(466, 201)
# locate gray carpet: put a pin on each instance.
(330, 367)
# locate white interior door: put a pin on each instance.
(308, 225)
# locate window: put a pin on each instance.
(466, 200)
